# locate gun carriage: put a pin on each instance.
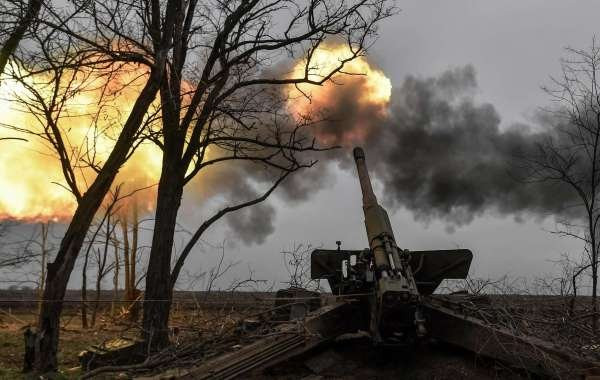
(394, 279)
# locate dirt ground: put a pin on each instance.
(73, 340)
(354, 359)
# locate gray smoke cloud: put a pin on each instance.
(437, 151)
(253, 224)
(226, 185)
(441, 155)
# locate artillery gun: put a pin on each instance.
(393, 279)
(388, 291)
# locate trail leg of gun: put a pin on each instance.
(529, 353)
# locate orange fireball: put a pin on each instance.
(306, 100)
(32, 185)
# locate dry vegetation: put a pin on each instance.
(73, 340)
(206, 325)
(203, 324)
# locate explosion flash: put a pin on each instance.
(307, 99)
(32, 184)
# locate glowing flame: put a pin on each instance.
(32, 185)
(371, 88)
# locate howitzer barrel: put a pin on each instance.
(377, 223)
(396, 291)
(369, 197)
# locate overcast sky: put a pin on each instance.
(514, 47)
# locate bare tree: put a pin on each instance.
(211, 280)
(44, 252)
(297, 264)
(130, 257)
(103, 268)
(236, 112)
(26, 254)
(14, 253)
(569, 280)
(79, 39)
(572, 155)
(116, 264)
(106, 230)
(16, 19)
(84, 269)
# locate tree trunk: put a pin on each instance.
(84, 321)
(114, 306)
(99, 276)
(594, 263)
(594, 296)
(157, 301)
(59, 271)
(101, 273)
(10, 45)
(44, 227)
(134, 307)
(57, 277)
(574, 296)
(125, 233)
(134, 247)
(96, 304)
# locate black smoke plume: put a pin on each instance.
(441, 155)
(438, 153)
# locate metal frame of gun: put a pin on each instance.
(395, 279)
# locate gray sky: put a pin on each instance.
(514, 46)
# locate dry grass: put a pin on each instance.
(193, 323)
(73, 340)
